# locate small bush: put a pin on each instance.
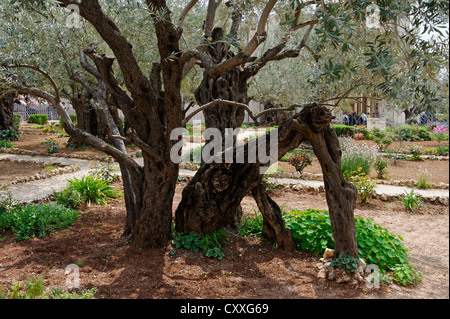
(211, 244)
(381, 167)
(93, 190)
(52, 145)
(343, 130)
(300, 160)
(9, 135)
(5, 144)
(40, 119)
(355, 157)
(405, 132)
(364, 185)
(36, 220)
(421, 132)
(416, 153)
(411, 200)
(349, 263)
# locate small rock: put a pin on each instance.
(329, 253)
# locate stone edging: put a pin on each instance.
(39, 176)
(18, 151)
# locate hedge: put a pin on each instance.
(40, 119)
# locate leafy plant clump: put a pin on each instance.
(211, 244)
(9, 135)
(411, 200)
(364, 185)
(89, 190)
(40, 119)
(52, 145)
(347, 262)
(300, 160)
(311, 230)
(37, 220)
(381, 167)
(36, 288)
(357, 156)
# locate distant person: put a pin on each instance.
(364, 119)
(345, 119)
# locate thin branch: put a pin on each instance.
(37, 69)
(185, 12)
(240, 105)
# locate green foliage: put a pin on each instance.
(300, 160)
(17, 118)
(9, 135)
(73, 118)
(405, 132)
(35, 288)
(416, 153)
(211, 244)
(36, 220)
(357, 158)
(422, 133)
(5, 144)
(406, 275)
(381, 167)
(411, 200)
(343, 130)
(347, 262)
(69, 197)
(311, 230)
(441, 150)
(251, 226)
(93, 190)
(52, 145)
(40, 119)
(364, 185)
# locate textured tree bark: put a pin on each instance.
(214, 193)
(7, 112)
(273, 224)
(340, 194)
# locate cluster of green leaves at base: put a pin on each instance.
(211, 244)
(311, 229)
(86, 191)
(36, 288)
(9, 135)
(36, 220)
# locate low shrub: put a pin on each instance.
(311, 229)
(364, 185)
(9, 135)
(300, 160)
(356, 157)
(35, 220)
(411, 200)
(211, 244)
(343, 130)
(92, 190)
(381, 167)
(40, 119)
(5, 144)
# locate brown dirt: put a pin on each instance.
(251, 269)
(14, 170)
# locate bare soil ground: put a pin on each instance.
(252, 267)
(10, 171)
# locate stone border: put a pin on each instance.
(39, 176)
(19, 151)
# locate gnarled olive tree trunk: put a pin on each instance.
(212, 196)
(7, 112)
